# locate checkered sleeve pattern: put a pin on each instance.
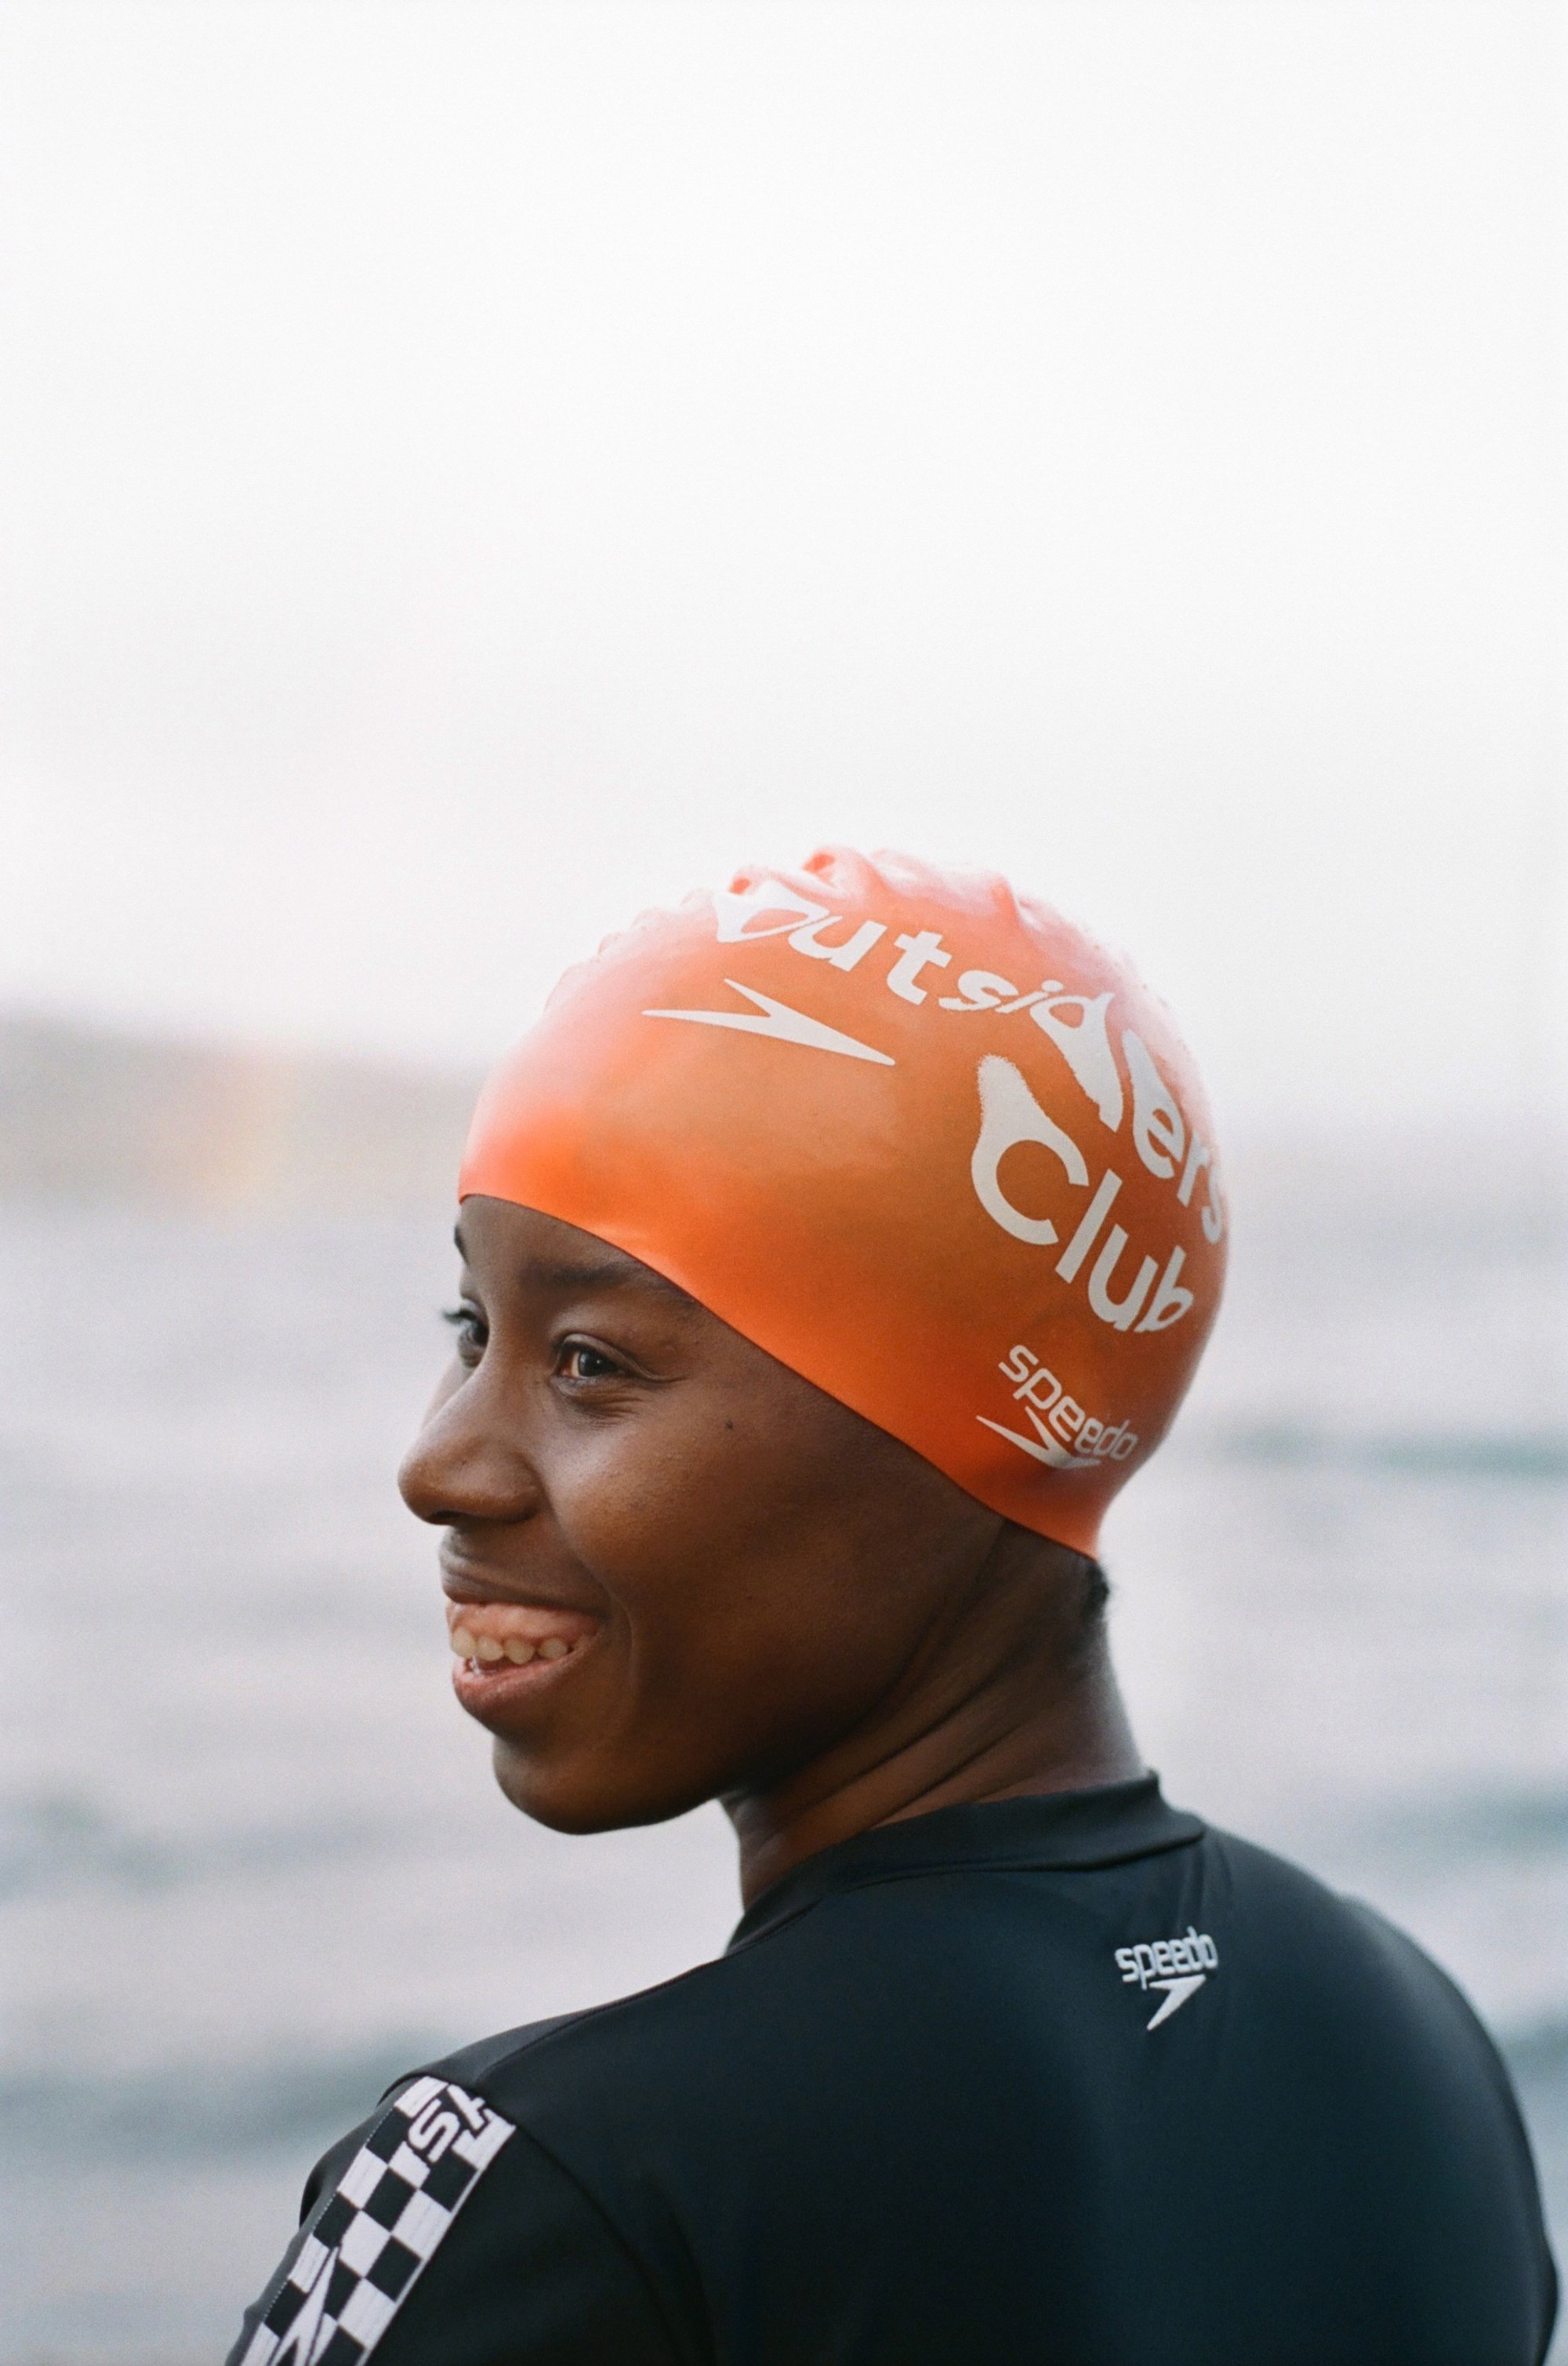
(362, 2251)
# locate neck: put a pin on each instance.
(1013, 1695)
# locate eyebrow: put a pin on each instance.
(607, 1274)
(611, 1272)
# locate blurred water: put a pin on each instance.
(251, 1859)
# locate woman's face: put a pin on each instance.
(675, 1569)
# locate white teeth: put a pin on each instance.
(471, 1643)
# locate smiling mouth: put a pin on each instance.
(489, 1637)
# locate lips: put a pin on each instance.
(502, 1647)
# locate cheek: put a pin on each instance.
(769, 1585)
(750, 1591)
(698, 1538)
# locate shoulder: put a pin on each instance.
(482, 2210)
(1290, 1920)
(442, 2228)
(1347, 1984)
(643, 2051)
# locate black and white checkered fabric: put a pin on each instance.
(364, 2249)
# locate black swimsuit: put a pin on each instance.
(1065, 2081)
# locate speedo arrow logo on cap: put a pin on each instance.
(1023, 1196)
(777, 1019)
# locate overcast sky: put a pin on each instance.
(473, 470)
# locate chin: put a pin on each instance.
(595, 1796)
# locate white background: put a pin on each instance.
(473, 470)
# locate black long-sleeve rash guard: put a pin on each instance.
(1062, 2081)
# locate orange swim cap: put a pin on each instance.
(917, 1137)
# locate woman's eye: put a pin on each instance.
(468, 1326)
(579, 1362)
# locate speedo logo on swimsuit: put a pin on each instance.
(1065, 1436)
(1177, 1967)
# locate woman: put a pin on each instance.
(834, 1250)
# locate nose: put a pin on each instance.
(468, 1462)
